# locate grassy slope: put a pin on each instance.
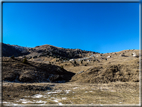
(88, 90)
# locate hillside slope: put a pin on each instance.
(16, 71)
(44, 50)
(116, 68)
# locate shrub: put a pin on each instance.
(12, 57)
(75, 62)
(25, 60)
(81, 61)
(62, 66)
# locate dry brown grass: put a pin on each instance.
(111, 81)
(73, 93)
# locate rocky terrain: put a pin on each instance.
(52, 75)
(44, 50)
(15, 50)
(15, 70)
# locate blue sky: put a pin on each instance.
(99, 27)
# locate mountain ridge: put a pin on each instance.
(43, 50)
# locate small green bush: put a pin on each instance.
(25, 60)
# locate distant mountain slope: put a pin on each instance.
(9, 50)
(44, 50)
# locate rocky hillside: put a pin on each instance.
(19, 70)
(13, 50)
(121, 66)
(44, 50)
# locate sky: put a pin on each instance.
(98, 27)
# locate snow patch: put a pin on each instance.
(57, 91)
(55, 100)
(37, 96)
(67, 91)
(40, 101)
(24, 102)
(60, 103)
(64, 98)
(75, 87)
(5, 102)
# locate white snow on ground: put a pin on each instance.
(60, 103)
(90, 91)
(51, 92)
(57, 91)
(5, 102)
(64, 98)
(75, 87)
(34, 101)
(55, 100)
(40, 101)
(24, 101)
(15, 104)
(37, 96)
(52, 97)
(67, 91)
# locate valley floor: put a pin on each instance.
(70, 93)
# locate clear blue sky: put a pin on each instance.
(99, 27)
